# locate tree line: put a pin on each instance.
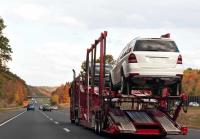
(13, 89)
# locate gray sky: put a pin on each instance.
(50, 37)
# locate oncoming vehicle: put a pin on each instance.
(148, 63)
(30, 107)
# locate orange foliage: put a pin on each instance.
(63, 94)
(191, 82)
(13, 90)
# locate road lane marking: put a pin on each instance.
(56, 122)
(66, 129)
(46, 116)
(12, 118)
(51, 119)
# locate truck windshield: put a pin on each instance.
(156, 45)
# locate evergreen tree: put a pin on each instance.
(5, 48)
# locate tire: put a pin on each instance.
(95, 127)
(99, 129)
(124, 87)
(77, 121)
(72, 121)
(111, 84)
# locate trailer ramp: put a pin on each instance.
(119, 117)
(165, 122)
(140, 117)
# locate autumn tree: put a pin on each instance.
(108, 59)
(5, 49)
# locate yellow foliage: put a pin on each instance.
(54, 99)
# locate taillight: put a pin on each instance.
(184, 130)
(132, 58)
(179, 61)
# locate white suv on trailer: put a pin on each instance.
(148, 63)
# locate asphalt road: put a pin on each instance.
(55, 125)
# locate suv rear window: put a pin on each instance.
(156, 45)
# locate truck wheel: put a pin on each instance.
(95, 127)
(72, 121)
(77, 121)
(99, 129)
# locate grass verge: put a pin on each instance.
(191, 118)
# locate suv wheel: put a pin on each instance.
(111, 84)
(124, 85)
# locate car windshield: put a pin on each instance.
(156, 45)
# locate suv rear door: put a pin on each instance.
(156, 53)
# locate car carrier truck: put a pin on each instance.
(96, 106)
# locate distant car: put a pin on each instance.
(147, 61)
(194, 104)
(31, 107)
(40, 107)
(54, 107)
(46, 108)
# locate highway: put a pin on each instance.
(56, 125)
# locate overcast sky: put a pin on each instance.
(50, 37)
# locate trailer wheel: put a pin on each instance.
(72, 121)
(77, 121)
(99, 129)
(95, 127)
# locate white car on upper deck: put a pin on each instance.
(148, 63)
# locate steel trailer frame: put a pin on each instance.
(93, 106)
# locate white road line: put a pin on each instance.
(12, 118)
(66, 129)
(56, 122)
(51, 119)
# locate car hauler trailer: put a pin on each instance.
(140, 113)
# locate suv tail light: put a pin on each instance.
(184, 130)
(132, 58)
(179, 61)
